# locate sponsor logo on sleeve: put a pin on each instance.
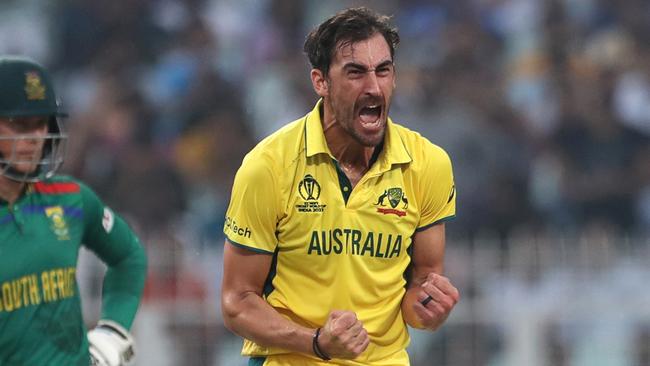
(231, 226)
(108, 220)
(453, 192)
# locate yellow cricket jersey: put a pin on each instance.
(336, 247)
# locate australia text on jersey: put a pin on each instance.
(355, 242)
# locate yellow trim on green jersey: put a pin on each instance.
(335, 249)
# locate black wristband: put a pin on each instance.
(314, 345)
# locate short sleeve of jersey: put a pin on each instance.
(252, 214)
(437, 189)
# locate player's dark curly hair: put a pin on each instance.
(348, 26)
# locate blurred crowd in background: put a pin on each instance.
(543, 106)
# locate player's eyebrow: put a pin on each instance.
(364, 68)
(384, 64)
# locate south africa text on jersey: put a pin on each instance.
(355, 242)
(33, 289)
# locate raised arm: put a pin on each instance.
(426, 280)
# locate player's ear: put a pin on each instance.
(319, 82)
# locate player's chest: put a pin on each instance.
(36, 236)
(378, 211)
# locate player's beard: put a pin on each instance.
(349, 119)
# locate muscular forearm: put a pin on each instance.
(251, 317)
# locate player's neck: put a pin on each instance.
(345, 149)
(348, 151)
(10, 190)
(353, 158)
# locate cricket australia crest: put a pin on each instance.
(395, 197)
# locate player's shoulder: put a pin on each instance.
(58, 184)
(282, 144)
(61, 184)
(421, 149)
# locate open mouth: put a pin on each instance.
(370, 115)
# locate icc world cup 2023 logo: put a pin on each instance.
(309, 188)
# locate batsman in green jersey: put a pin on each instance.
(44, 220)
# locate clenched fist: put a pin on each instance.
(436, 299)
(343, 335)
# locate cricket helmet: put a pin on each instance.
(26, 90)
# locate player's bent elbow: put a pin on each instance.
(234, 304)
(230, 310)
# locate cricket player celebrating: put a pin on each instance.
(44, 219)
(336, 224)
